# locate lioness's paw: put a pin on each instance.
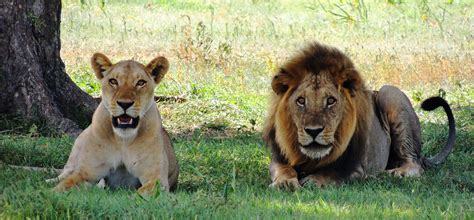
(291, 183)
(317, 180)
(59, 188)
(147, 190)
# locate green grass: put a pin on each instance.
(222, 56)
(228, 177)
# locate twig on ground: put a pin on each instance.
(41, 169)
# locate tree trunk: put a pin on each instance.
(33, 81)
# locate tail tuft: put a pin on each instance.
(432, 103)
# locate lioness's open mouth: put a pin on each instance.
(125, 121)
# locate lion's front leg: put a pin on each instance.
(283, 176)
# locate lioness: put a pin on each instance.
(325, 127)
(126, 143)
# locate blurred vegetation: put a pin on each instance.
(223, 53)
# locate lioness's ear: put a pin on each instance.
(100, 63)
(158, 67)
(351, 80)
(281, 81)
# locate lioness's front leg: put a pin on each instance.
(150, 180)
(80, 176)
(70, 181)
(151, 170)
(86, 163)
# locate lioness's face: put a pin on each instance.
(128, 89)
(316, 109)
(127, 92)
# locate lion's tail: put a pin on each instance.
(431, 104)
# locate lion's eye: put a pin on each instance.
(300, 101)
(113, 82)
(141, 83)
(330, 101)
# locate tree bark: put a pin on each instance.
(33, 81)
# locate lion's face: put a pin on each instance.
(313, 112)
(128, 89)
(316, 110)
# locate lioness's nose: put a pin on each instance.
(125, 105)
(313, 131)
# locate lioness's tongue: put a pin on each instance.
(124, 119)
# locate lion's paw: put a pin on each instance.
(285, 183)
(407, 170)
(317, 180)
(404, 172)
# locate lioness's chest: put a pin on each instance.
(122, 172)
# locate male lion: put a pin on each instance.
(126, 143)
(325, 127)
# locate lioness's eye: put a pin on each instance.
(113, 82)
(300, 101)
(141, 83)
(330, 101)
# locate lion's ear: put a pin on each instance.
(281, 81)
(158, 67)
(100, 63)
(351, 80)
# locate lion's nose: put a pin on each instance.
(314, 132)
(125, 105)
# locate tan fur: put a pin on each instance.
(285, 133)
(145, 151)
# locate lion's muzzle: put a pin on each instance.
(312, 146)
